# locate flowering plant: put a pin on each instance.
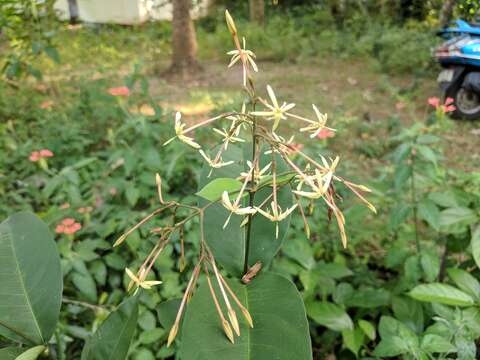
(251, 186)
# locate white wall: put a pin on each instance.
(123, 11)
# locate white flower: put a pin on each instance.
(276, 215)
(276, 112)
(229, 136)
(258, 175)
(246, 56)
(215, 163)
(139, 282)
(320, 182)
(179, 131)
(316, 126)
(235, 208)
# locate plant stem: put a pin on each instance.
(251, 193)
(414, 204)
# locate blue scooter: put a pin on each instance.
(460, 58)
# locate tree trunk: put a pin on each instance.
(73, 11)
(257, 11)
(338, 10)
(184, 41)
(446, 12)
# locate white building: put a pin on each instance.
(123, 11)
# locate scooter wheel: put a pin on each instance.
(467, 103)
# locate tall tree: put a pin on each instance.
(257, 11)
(184, 41)
(446, 12)
(73, 11)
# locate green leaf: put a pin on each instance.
(399, 215)
(86, 285)
(428, 211)
(31, 278)
(228, 244)
(368, 298)
(402, 174)
(32, 354)
(436, 344)
(409, 312)
(430, 264)
(393, 346)
(333, 270)
(441, 293)
(457, 215)
(132, 194)
(112, 339)
(475, 243)
(368, 328)
(167, 311)
(427, 154)
(465, 281)
(214, 189)
(10, 353)
(353, 339)
(330, 315)
(280, 329)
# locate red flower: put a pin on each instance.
(446, 107)
(47, 104)
(68, 221)
(40, 154)
(119, 91)
(325, 134)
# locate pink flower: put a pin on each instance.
(295, 147)
(434, 101)
(68, 226)
(47, 104)
(68, 221)
(65, 206)
(119, 91)
(40, 154)
(46, 153)
(35, 156)
(325, 134)
(85, 210)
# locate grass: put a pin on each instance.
(359, 99)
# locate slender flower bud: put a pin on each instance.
(228, 331)
(247, 316)
(234, 321)
(159, 188)
(230, 23)
(172, 334)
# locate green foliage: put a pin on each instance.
(26, 245)
(113, 337)
(273, 302)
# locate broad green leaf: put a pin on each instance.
(167, 311)
(214, 189)
(457, 215)
(299, 249)
(436, 344)
(32, 354)
(465, 281)
(389, 347)
(428, 211)
(399, 215)
(280, 329)
(10, 353)
(430, 262)
(353, 339)
(132, 194)
(402, 174)
(475, 243)
(330, 315)
(368, 298)
(112, 339)
(427, 154)
(441, 293)
(368, 328)
(409, 312)
(30, 278)
(228, 244)
(333, 270)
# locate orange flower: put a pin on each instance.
(119, 91)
